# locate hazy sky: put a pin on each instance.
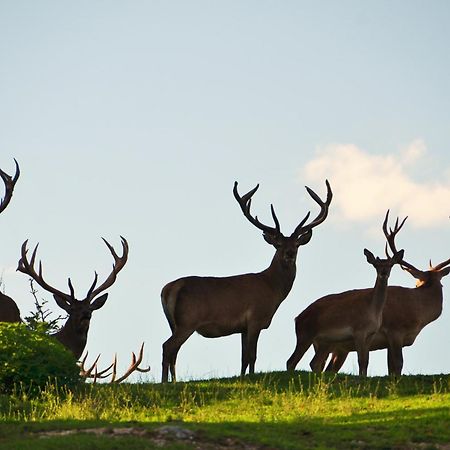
(135, 118)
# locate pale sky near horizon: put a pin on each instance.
(135, 118)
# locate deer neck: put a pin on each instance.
(72, 337)
(281, 276)
(379, 296)
(431, 299)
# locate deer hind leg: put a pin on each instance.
(303, 343)
(336, 362)
(170, 352)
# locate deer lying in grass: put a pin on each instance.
(9, 312)
(73, 335)
(407, 311)
(349, 317)
(242, 304)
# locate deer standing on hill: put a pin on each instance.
(9, 312)
(344, 318)
(244, 304)
(407, 311)
(73, 335)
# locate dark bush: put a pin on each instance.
(31, 359)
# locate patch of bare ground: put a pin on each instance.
(162, 436)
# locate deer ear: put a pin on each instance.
(271, 239)
(370, 257)
(98, 302)
(62, 302)
(304, 238)
(445, 271)
(398, 257)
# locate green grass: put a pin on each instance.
(275, 410)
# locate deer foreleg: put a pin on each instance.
(244, 357)
(249, 344)
(318, 362)
(362, 348)
(252, 344)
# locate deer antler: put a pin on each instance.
(245, 203)
(119, 263)
(390, 238)
(246, 200)
(9, 186)
(27, 267)
(93, 373)
(324, 206)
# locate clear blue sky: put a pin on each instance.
(136, 118)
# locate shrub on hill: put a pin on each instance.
(32, 359)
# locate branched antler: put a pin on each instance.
(92, 372)
(9, 186)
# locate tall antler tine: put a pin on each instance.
(40, 270)
(274, 217)
(17, 174)
(396, 224)
(315, 197)
(94, 283)
(111, 249)
(72, 290)
(114, 369)
(386, 251)
(124, 242)
(141, 351)
(33, 256)
(83, 360)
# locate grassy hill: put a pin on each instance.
(265, 411)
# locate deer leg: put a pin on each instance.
(244, 353)
(395, 356)
(170, 351)
(252, 343)
(300, 349)
(362, 348)
(336, 362)
(318, 362)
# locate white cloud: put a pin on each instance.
(365, 185)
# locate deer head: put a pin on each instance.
(286, 246)
(383, 266)
(74, 333)
(423, 277)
